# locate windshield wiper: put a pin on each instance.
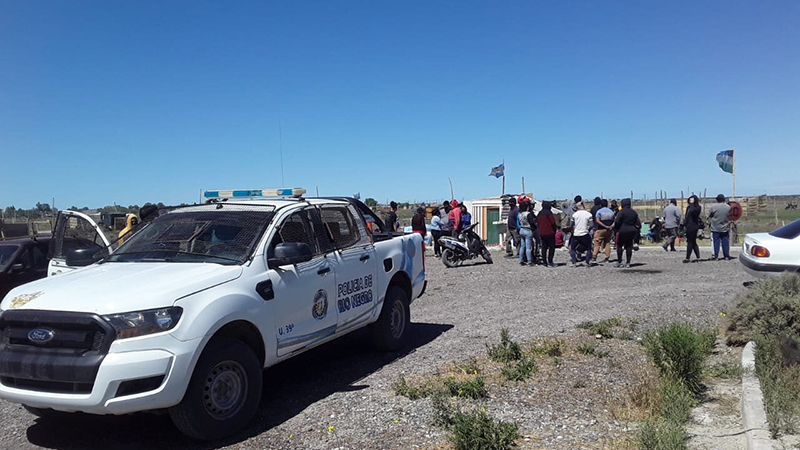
(177, 252)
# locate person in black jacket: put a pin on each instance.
(693, 225)
(627, 226)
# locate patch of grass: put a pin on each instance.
(580, 384)
(659, 434)
(547, 347)
(474, 388)
(625, 335)
(412, 392)
(506, 351)
(769, 307)
(519, 371)
(556, 360)
(586, 348)
(723, 370)
(781, 387)
(477, 431)
(679, 350)
(604, 328)
(469, 367)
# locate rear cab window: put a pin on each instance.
(789, 231)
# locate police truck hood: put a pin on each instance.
(119, 287)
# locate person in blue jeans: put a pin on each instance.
(720, 227)
(526, 224)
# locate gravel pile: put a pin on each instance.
(339, 396)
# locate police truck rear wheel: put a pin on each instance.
(449, 258)
(390, 331)
(223, 393)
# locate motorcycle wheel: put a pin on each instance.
(449, 258)
(486, 255)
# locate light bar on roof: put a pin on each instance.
(250, 193)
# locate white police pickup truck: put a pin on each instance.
(186, 313)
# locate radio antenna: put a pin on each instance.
(280, 141)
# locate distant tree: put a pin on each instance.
(9, 211)
(43, 208)
(371, 202)
(73, 208)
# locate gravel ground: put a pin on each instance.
(339, 396)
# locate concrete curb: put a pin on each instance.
(753, 414)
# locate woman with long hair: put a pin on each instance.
(694, 223)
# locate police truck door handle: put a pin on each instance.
(323, 271)
(364, 257)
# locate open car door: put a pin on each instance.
(77, 241)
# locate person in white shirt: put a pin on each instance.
(581, 240)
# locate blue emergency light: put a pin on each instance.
(251, 193)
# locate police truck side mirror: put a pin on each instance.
(80, 257)
(16, 268)
(287, 253)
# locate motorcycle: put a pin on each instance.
(467, 246)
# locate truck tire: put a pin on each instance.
(223, 393)
(449, 258)
(390, 331)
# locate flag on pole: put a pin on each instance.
(498, 171)
(725, 160)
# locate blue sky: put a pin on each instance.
(127, 102)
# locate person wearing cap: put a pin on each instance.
(720, 226)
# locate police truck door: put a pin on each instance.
(304, 293)
(355, 265)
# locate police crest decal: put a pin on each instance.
(320, 307)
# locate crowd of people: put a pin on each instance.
(588, 233)
(533, 236)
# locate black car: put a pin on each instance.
(22, 261)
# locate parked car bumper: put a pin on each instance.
(764, 269)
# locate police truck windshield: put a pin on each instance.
(215, 233)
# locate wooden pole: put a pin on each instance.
(523, 185)
(452, 196)
(733, 191)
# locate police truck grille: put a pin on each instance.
(52, 351)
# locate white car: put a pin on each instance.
(188, 311)
(770, 254)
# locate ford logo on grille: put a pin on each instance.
(41, 335)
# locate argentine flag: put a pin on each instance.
(498, 171)
(725, 160)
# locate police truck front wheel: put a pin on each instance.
(390, 331)
(223, 393)
(449, 258)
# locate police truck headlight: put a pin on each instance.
(141, 323)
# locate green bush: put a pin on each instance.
(675, 400)
(474, 388)
(506, 351)
(769, 307)
(477, 431)
(519, 371)
(659, 434)
(724, 370)
(679, 350)
(781, 387)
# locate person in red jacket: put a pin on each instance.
(547, 230)
(454, 218)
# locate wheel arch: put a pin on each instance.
(403, 281)
(246, 332)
